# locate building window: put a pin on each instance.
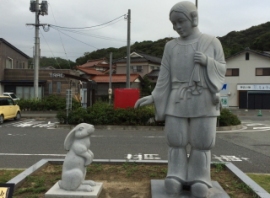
(137, 68)
(262, 71)
(247, 56)
(9, 63)
(28, 92)
(232, 72)
(58, 87)
(50, 87)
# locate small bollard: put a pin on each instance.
(260, 113)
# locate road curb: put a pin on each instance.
(258, 190)
(148, 128)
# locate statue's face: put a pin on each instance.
(181, 24)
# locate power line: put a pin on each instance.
(51, 51)
(92, 35)
(61, 40)
(76, 39)
(87, 27)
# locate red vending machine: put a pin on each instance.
(125, 97)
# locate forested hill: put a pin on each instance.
(154, 48)
(256, 38)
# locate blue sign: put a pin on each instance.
(224, 87)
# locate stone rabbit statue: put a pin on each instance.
(77, 144)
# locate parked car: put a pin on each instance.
(9, 109)
(12, 95)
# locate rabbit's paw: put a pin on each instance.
(89, 182)
(85, 188)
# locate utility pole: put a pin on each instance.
(110, 82)
(36, 70)
(197, 4)
(39, 9)
(128, 50)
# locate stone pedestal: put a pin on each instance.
(57, 192)
(158, 191)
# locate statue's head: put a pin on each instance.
(184, 17)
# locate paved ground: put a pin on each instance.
(239, 112)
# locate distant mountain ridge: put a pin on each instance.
(255, 37)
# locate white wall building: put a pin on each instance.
(247, 83)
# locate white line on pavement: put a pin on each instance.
(254, 124)
(19, 122)
(26, 154)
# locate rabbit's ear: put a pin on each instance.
(70, 138)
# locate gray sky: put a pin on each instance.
(149, 21)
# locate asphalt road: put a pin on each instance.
(21, 147)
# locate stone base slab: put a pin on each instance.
(158, 191)
(57, 192)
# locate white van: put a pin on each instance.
(12, 95)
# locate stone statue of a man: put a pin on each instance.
(186, 96)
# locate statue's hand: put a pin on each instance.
(144, 101)
(200, 58)
(216, 99)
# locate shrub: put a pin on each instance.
(227, 118)
(52, 102)
(62, 116)
(77, 116)
(102, 113)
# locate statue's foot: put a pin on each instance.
(199, 190)
(172, 186)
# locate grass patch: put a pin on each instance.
(125, 180)
(6, 175)
(262, 179)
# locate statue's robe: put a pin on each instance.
(185, 89)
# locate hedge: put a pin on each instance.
(102, 113)
(52, 102)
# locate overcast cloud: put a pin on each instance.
(149, 21)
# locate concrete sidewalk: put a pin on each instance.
(241, 113)
(250, 112)
(38, 114)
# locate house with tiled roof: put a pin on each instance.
(98, 71)
(101, 65)
(247, 82)
(89, 72)
(117, 80)
(140, 63)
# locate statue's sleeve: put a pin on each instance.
(163, 86)
(216, 67)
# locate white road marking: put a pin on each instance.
(18, 122)
(259, 128)
(16, 134)
(229, 158)
(140, 156)
(130, 136)
(28, 154)
(254, 124)
(33, 123)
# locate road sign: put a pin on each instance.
(224, 101)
